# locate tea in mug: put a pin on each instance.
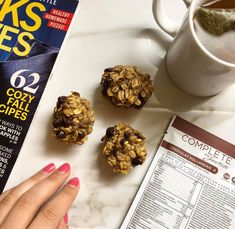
(214, 24)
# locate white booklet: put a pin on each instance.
(189, 184)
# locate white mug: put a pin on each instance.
(189, 64)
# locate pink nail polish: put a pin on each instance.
(66, 218)
(64, 168)
(74, 182)
(49, 168)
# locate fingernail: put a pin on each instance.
(74, 182)
(66, 218)
(64, 168)
(49, 168)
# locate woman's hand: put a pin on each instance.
(39, 202)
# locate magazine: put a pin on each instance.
(189, 184)
(31, 35)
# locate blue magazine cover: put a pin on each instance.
(31, 34)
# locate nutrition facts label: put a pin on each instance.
(165, 203)
(183, 189)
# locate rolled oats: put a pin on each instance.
(73, 119)
(126, 86)
(124, 148)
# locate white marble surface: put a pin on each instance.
(106, 33)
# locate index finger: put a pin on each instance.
(9, 198)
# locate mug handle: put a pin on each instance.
(162, 20)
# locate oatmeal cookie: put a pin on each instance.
(73, 119)
(124, 148)
(126, 86)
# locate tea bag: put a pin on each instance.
(215, 29)
(216, 21)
